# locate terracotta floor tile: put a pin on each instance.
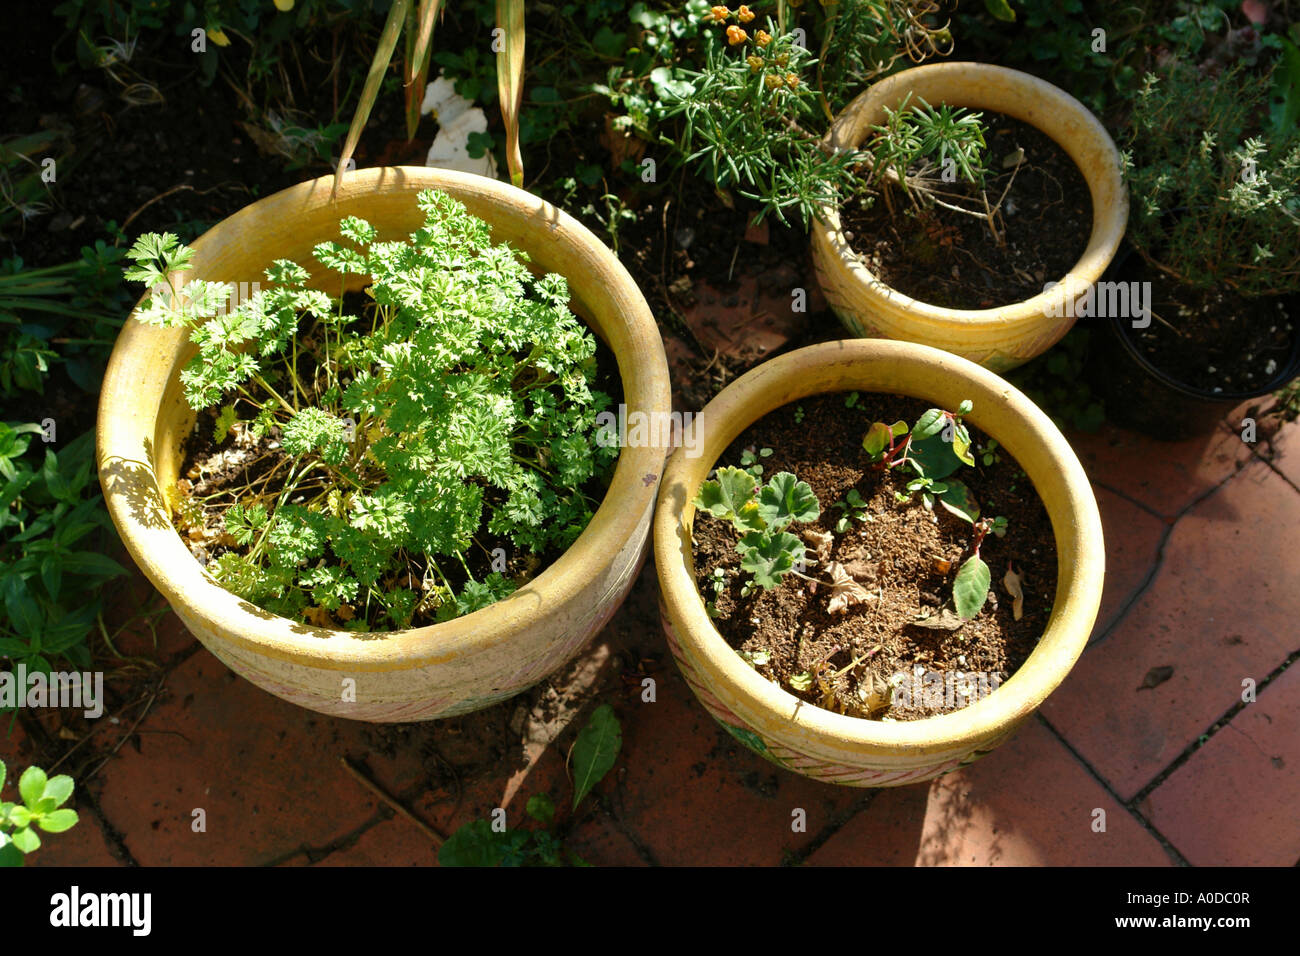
(1164, 476)
(1287, 447)
(165, 640)
(83, 845)
(692, 794)
(598, 840)
(754, 320)
(1132, 546)
(592, 835)
(15, 747)
(395, 842)
(1029, 803)
(887, 833)
(1218, 610)
(1234, 802)
(266, 773)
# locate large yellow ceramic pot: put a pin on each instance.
(419, 673)
(1009, 335)
(850, 750)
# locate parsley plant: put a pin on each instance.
(458, 404)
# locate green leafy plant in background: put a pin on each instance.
(23, 193)
(65, 315)
(655, 60)
(41, 808)
(768, 552)
(459, 401)
(751, 460)
(53, 532)
(101, 26)
(1216, 192)
(479, 843)
(1057, 383)
(933, 450)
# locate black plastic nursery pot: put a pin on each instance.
(1141, 396)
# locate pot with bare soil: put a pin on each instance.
(882, 560)
(394, 498)
(982, 237)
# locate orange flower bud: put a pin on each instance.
(791, 80)
(744, 14)
(717, 14)
(755, 63)
(762, 38)
(736, 35)
(772, 82)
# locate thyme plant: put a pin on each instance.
(458, 404)
(1216, 193)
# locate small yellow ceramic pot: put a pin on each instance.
(850, 750)
(420, 673)
(1009, 335)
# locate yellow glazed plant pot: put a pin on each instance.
(419, 673)
(850, 750)
(1009, 335)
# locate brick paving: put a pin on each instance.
(1201, 578)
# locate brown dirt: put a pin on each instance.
(904, 555)
(949, 259)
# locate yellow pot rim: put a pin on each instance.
(1057, 114)
(134, 499)
(1016, 423)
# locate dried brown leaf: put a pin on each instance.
(1156, 676)
(945, 620)
(821, 542)
(845, 592)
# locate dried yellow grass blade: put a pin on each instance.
(417, 63)
(510, 80)
(369, 92)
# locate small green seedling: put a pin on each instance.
(798, 415)
(749, 460)
(934, 448)
(970, 589)
(41, 798)
(989, 454)
(852, 508)
(768, 551)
